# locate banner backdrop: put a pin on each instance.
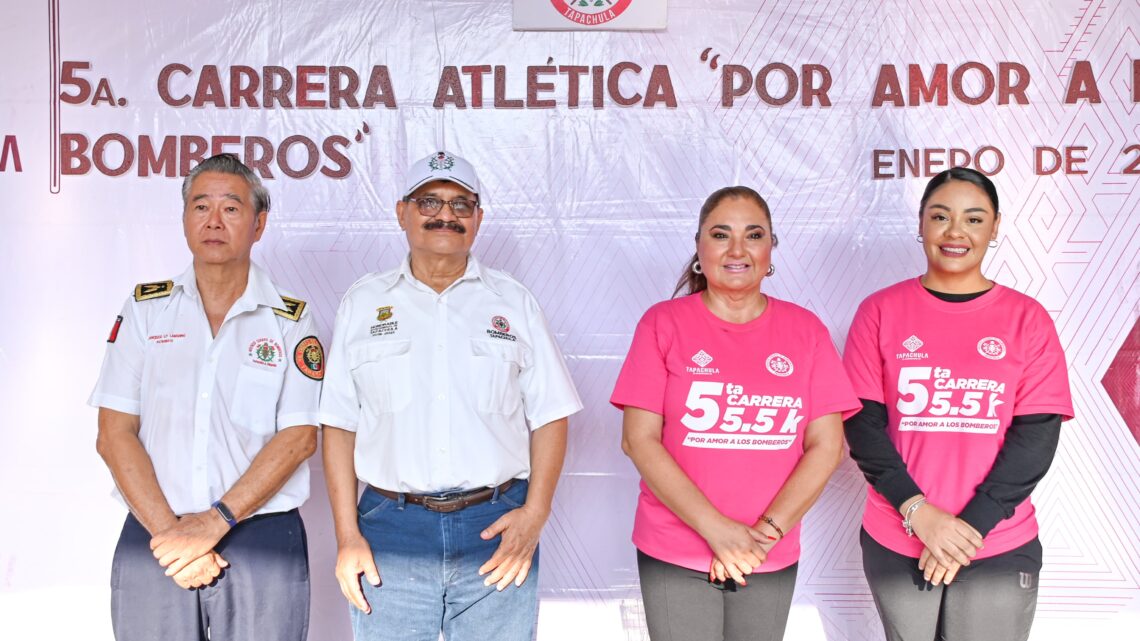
(596, 149)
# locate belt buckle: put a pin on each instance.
(443, 505)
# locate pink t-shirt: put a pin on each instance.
(736, 399)
(953, 376)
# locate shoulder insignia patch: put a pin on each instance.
(293, 308)
(147, 291)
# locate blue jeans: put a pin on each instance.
(429, 572)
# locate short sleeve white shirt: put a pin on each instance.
(443, 389)
(208, 404)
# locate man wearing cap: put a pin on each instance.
(448, 397)
(208, 402)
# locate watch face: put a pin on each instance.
(225, 512)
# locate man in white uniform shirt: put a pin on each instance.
(208, 402)
(448, 397)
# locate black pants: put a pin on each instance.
(263, 594)
(991, 599)
(682, 605)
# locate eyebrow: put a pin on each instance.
(227, 196)
(968, 211)
(435, 194)
(729, 228)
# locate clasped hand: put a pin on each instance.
(950, 543)
(738, 550)
(186, 549)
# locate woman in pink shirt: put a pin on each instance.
(733, 404)
(964, 387)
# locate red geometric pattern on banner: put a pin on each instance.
(1122, 381)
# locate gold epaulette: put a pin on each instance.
(293, 308)
(147, 291)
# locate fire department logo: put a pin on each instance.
(309, 357)
(500, 323)
(265, 351)
(383, 313)
(702, 358)
(779, 365)
(913, 343)
(590, 12)
(441, 162)
(992, 348)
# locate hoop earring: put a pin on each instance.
(696, 268)
(918, 238)
(994, 243)
(771, 270)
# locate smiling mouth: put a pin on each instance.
(737, 267)
(953, 251)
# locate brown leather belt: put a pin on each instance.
(452, 502)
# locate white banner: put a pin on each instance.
(596, 150)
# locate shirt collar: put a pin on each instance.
(259, 289)
(474, 271)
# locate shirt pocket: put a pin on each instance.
(255, 399)
(382, 372)
(495, 374)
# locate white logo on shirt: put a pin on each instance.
(913, 343)
(702, 359)
(779, 365)
(912, 346)
(992, 348)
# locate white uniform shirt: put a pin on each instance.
(442, 389)
(207, 405)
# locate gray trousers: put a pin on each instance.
(263, 594)
(993, 599)
(682, 605)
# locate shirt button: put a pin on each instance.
(441, 397)
(205, 395)
(439, 346)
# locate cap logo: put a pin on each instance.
(441, 162)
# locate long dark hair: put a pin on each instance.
(974, 177)
(691, 282)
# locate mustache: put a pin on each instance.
(452, 225)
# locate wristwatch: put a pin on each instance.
(225, 512)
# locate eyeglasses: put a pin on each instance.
(429, 206)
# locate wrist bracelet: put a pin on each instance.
(767, 519)
(909, 513)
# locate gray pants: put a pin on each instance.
(263, 594)
(991, 599)
(682, 605)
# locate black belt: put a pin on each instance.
(447, 502)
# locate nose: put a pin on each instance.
(956, 229)
(446, 207)
(736, 247)
(214, 218)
